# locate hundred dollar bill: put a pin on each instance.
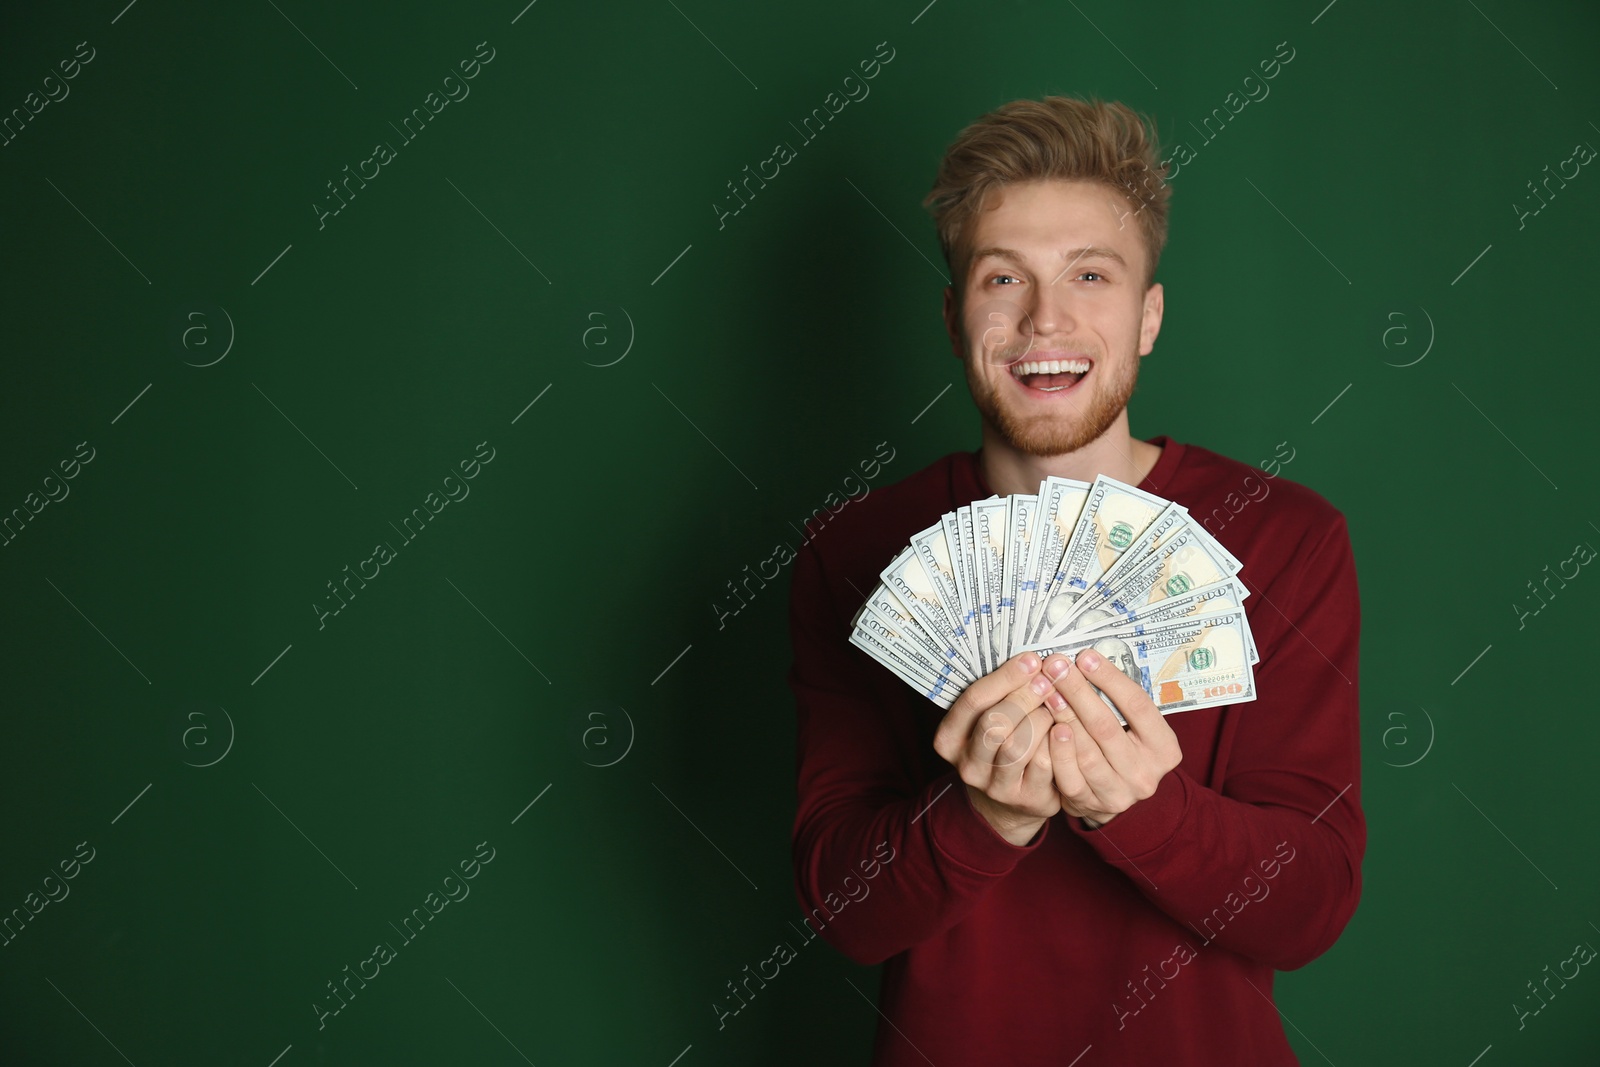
(958, 569)
(885, 643)
(904, 646)
(1219, 549)
(1145, 545)
(1192, 663)
(966, 546)
(1225, 595)
(1113, 516)
(935, 689)
(1024, 510)
(933, 552)
(1060, 502)
(1181, 562)
(991, 538)
(893, 613)
(908, 580)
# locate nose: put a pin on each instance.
(1049, 308)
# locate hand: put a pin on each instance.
(994, 735)
(1102, 769)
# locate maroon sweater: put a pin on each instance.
(1152, 940)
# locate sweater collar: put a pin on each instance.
(968, 483)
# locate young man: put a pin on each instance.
(1048, 885)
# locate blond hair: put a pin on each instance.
(1059, 137)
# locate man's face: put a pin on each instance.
(1053, 315)
(1120, 656)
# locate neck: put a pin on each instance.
(1115, 453)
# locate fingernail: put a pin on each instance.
(1030, 662)
(1062, 732)
(1041, 686)
(1057, 667)
(1088, 660)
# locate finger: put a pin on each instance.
(1038, 777)
(1151, 738)
(1106, 755)
(956, 726)
(1101, 739)
(1016, 753)
(1069, 780)
(1067, 761)
(1144, 718)
(996, 725)
(1036, 791)
(1056, 666)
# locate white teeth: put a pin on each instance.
(1051, 366)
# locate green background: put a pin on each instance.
(522, 639)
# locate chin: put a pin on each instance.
(1056, 433)
(1045, 437)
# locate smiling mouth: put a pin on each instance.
(1050, 375)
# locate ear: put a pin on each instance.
(952, 320)
(1150, 322)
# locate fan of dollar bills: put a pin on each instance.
(1078, 565)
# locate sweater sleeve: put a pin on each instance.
(1270, 866)
(881, 861)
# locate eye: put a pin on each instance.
(1095, 273)
(997, 277)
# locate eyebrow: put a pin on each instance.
(1071, 254)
